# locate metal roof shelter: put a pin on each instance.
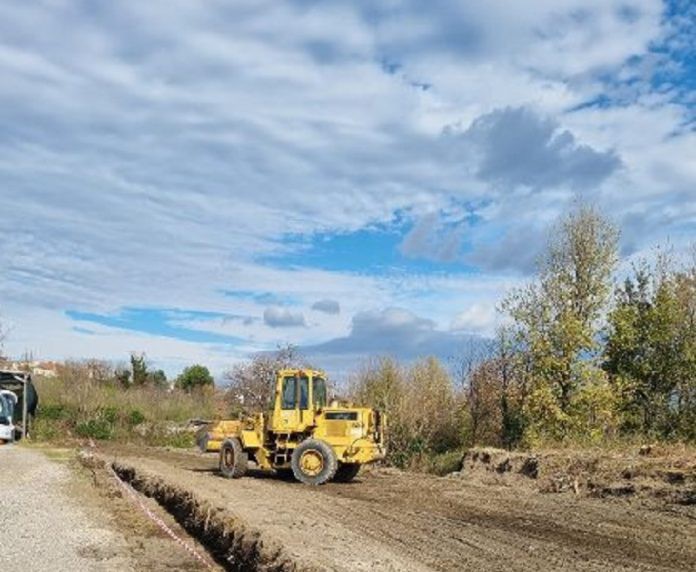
(19, 382)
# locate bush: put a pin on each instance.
(135, 417)
(53, 412)
(445, 463)
(98, 428)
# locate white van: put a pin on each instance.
(8, 401)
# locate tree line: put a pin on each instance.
(581, 356)
(587, 352)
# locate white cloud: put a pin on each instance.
(155, 154)
(282, 318)
(477, 318)
(327, 306)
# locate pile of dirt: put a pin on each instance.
(647, 472)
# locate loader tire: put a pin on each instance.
(346, 472)
(314, 462)
(233, 459)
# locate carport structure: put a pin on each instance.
(19, 382)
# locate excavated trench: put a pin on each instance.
(230, 542)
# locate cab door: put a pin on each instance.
(293, 410)
(286, 416)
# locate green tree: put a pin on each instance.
(194, 377)
(557, 318)
(650, 351)
(158, 378)
(138, 369)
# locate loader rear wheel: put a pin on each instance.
(233, 459)
(314, 462)
(346, 472)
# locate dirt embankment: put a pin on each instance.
(663, 478)
(389, 520)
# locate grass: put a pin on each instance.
(75, 407)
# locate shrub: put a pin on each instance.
(53, 411)
(135, 417)
(445, 463)
(98, 428)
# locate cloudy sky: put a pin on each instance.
(204, 180)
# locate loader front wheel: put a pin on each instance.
(314, 462)
(233, 459)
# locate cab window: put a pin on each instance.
(319, 386)
(288, 397)
(304, 392)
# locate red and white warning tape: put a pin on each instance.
(159, 522)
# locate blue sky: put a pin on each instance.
(201, 181)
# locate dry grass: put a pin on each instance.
(74, 406)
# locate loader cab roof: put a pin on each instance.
(305, 371)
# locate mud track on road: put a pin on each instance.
(393, 521)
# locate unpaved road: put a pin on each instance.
(43, 526)
(393, 521)
(56, 515)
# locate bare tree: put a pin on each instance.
(252, 383)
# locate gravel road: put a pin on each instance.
(43, 524)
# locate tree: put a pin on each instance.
(650, 351)
(557, 317)
(422, 408)
(194, 377)
(138, 369)
(158, 378)
(497, 388)
(252, 383)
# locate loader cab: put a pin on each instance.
(300, 394)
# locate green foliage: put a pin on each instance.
(97, 428)
(109, 414)
(158, 378)
(556, 322)
(194, 377)
(52, 411)
(650, 352)
(139, 369)
(445, 463)
(135, 417)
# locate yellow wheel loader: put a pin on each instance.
(302, 434)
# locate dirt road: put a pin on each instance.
(388, 520)
(43, 526)
(55, 515)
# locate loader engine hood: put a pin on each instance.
(359, 430)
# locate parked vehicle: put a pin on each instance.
(8, 402)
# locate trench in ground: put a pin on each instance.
(231, 543)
